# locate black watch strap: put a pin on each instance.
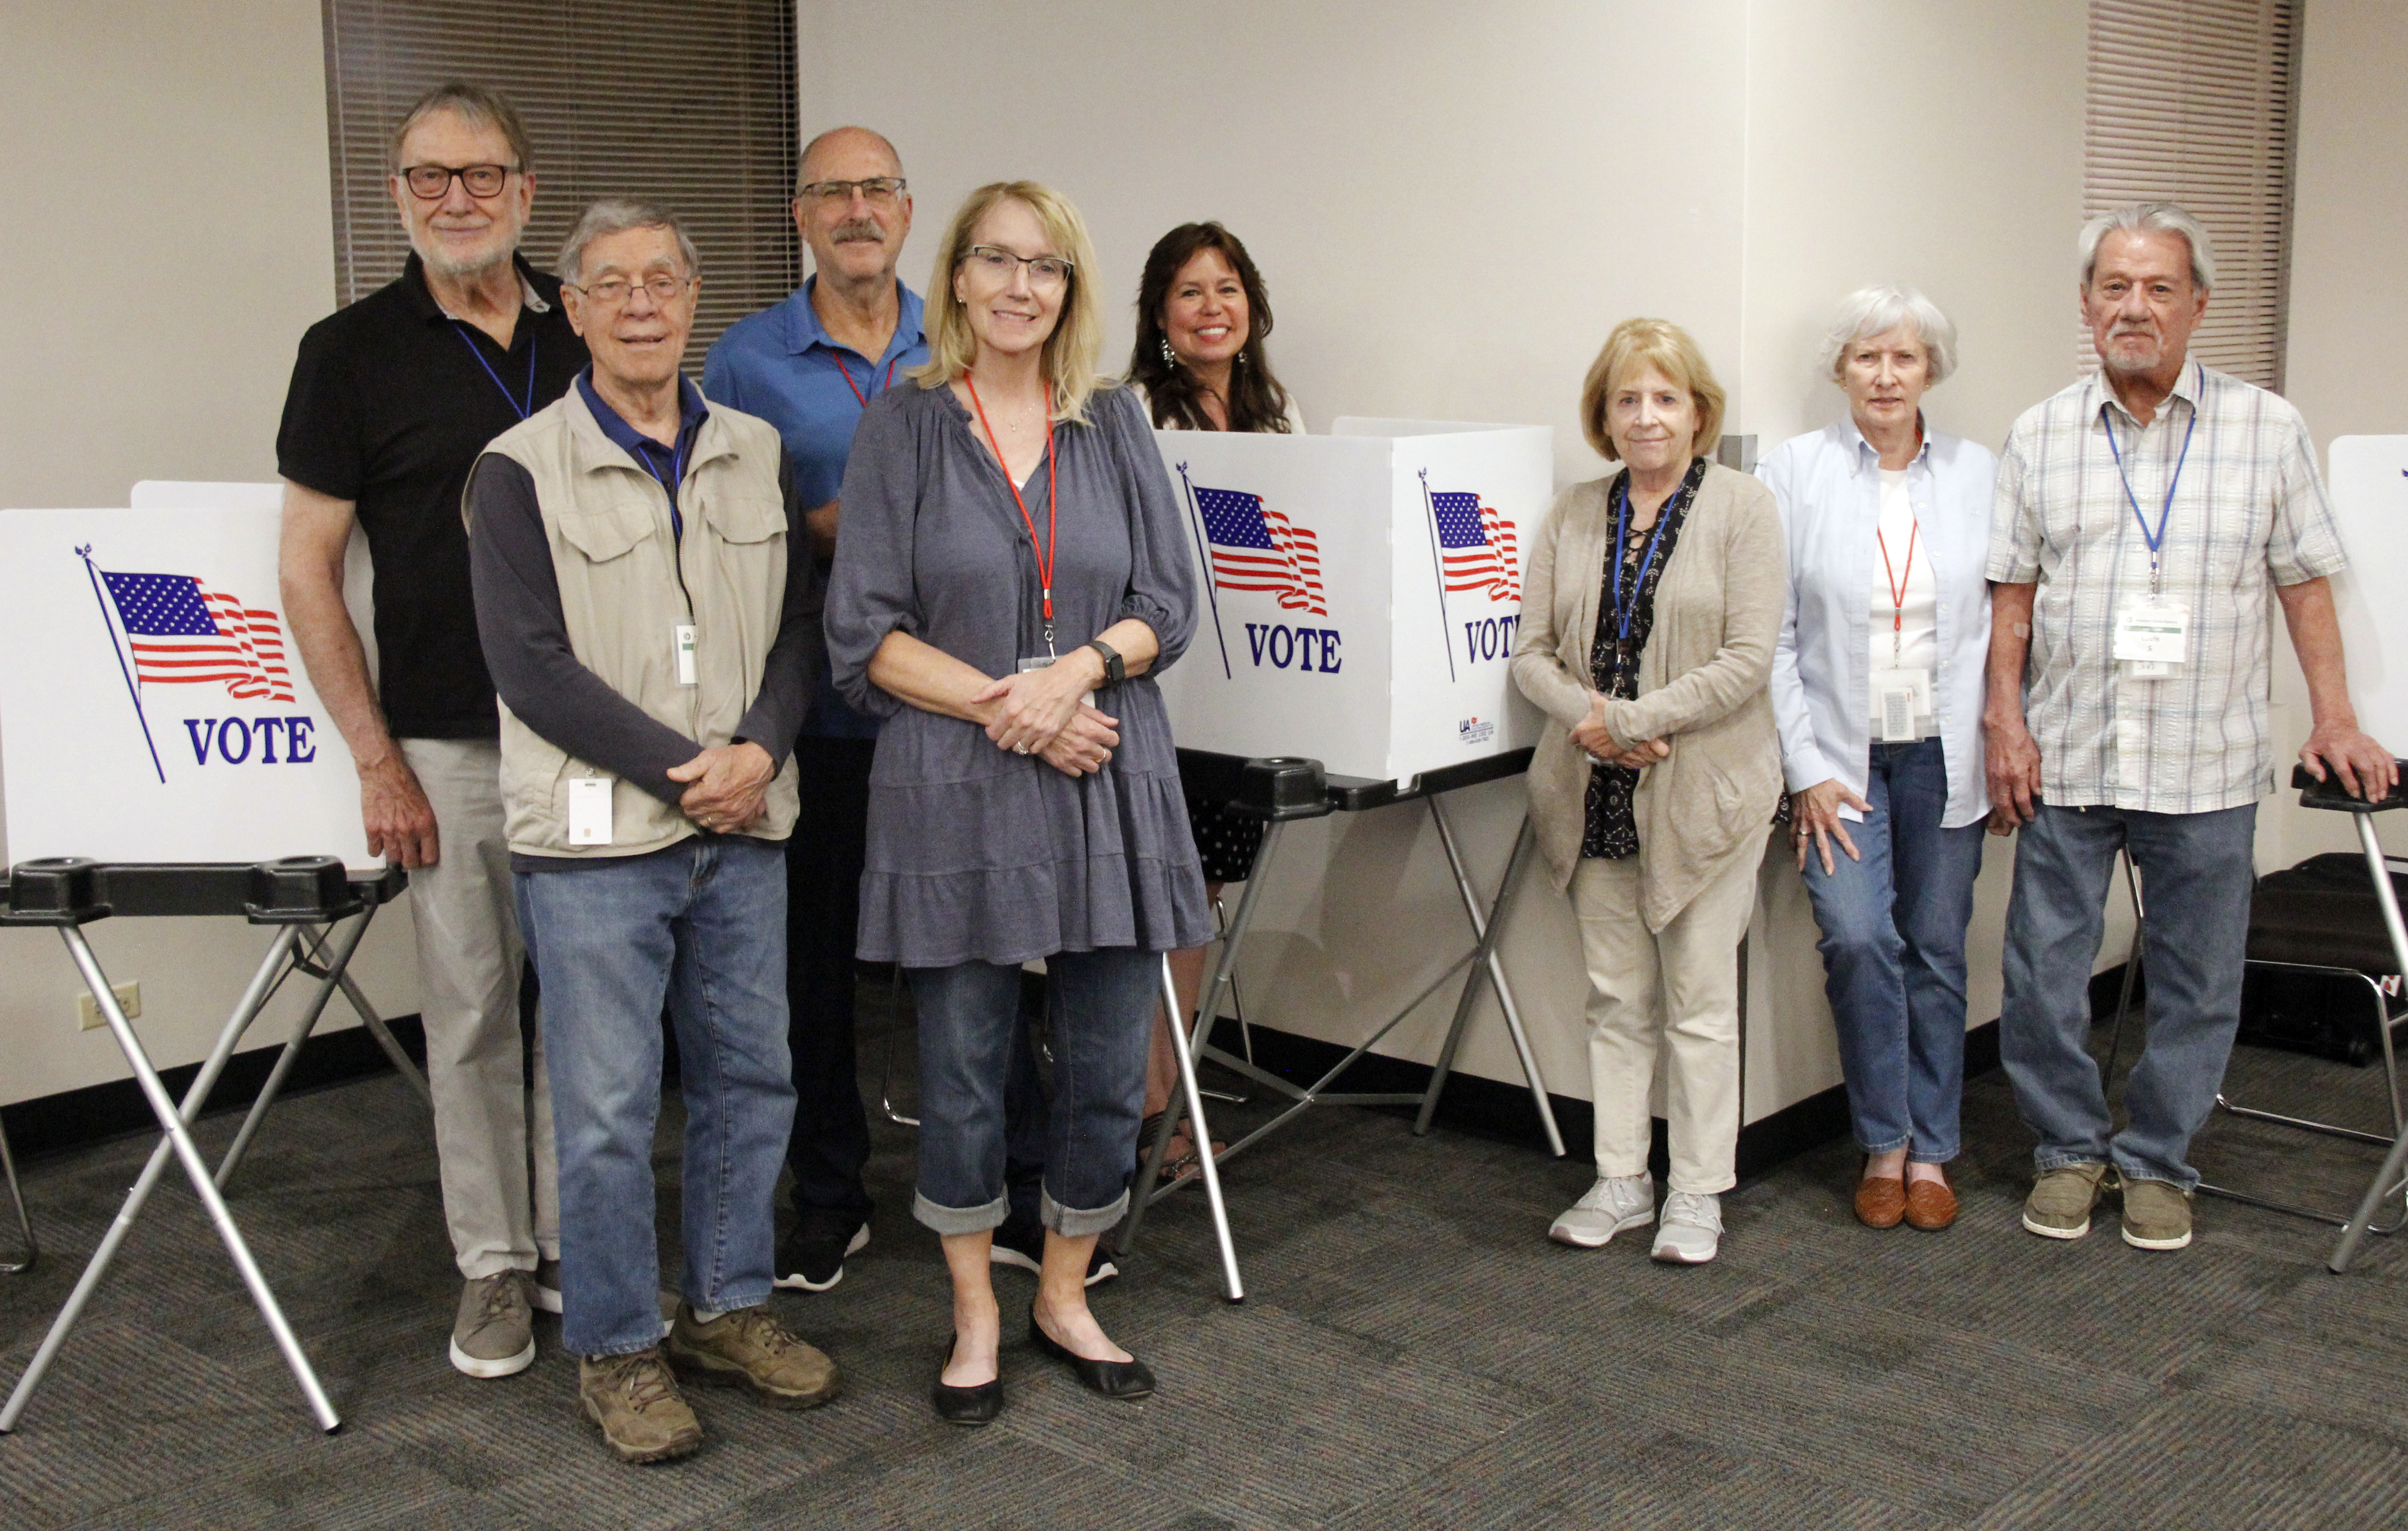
(1115, 671)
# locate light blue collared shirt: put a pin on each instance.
(1828, 487)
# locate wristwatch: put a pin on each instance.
(1115, 671)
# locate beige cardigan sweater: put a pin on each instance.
(1701, 686)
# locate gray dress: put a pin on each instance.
(974, 853)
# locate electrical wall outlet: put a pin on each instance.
(129, 1000)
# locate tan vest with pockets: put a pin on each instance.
(626, 583)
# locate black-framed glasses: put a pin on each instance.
(431, 182)
(997, 261)
(878, 191)
(610, 291)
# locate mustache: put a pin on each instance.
(859, 228)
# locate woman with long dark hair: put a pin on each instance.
(1199, 365)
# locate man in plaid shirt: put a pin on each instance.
(2143, 516)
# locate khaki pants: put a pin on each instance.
(1682, 986)
(493, 1138)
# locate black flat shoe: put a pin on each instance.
(977, 1405)
(1126, 1381)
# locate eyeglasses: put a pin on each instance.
(878, 191)
(610, 291)
(997, 261)
(431, 182)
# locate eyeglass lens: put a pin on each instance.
(1048, 269)
(878, 191)
(612, 291)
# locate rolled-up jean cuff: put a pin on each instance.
(1071, 1223)
(960, 1220)
(734, 1300)
(2044, 1162)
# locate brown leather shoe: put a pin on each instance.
(1930, 1205)
(1881, 1203)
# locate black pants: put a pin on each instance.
(831, 1138)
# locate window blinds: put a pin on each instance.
(2194, 101)
(690, 106)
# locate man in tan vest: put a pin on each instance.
(629, 548)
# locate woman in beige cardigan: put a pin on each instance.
(1659, 772)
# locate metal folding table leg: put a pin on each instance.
(2387, 1179)
(174, 1118)
(1207, 1005)
(17, 1195)
(1486, 928)
(1231, 1285)
(330, 972)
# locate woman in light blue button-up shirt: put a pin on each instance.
(1877, 689)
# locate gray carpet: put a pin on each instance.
(1414, 1355)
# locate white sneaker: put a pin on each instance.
(1691, 1230)
(1614, 1203)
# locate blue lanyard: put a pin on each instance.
(2157, 539)
(521, 410)
(1622, 612)
(676, 477)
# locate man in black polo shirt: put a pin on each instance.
(391, 401)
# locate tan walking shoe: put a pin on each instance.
(750, 1348)
(2157, 1215)
(635, 1402)
(494, 1333)
(2061, 1199)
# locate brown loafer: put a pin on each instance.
(1930, 1205)
(1881, 1203)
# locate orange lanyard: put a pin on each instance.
(847, 372)
(1897, 587)
(1053, 507)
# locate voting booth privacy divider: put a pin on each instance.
(1362, 590)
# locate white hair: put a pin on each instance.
(1877, 310)
(2150, 218)
(617, 215)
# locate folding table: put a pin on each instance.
(319, 913)
(1279, 791)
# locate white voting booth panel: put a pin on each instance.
(2370, 489)
(1363, 592)
(152, 707)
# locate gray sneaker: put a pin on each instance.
(635, 1403)
(1691, 1230)
(2157, 1215)
(2061, 1199)
(1614, 1203)
(495, 1334)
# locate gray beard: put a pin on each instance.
(443, 266)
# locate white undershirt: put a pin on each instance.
(1917, 632)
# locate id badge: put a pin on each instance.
(1045, 662)
(681, 643)
(1900, 697)
(589, 810)
(2151, 639)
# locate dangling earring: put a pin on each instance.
(1170, 357)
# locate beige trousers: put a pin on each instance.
(1681, 986)
(492, 1133)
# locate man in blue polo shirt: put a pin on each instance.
(810, 367)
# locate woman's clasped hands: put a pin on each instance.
(1592, 735)
(1044, 712)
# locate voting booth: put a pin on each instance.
(1363, 592)
(165, 756)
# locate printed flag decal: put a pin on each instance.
(1477, 546)
(183, 632)
(1256, 547)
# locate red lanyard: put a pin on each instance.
(1897, 586)
(862, 397)
(1053, 505)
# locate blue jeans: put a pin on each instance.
(703, 927)
(2197, 871)
(1102, 1006)
(1893, 947)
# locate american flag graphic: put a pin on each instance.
(1257, 548)
(1478, 546)
(183, 632)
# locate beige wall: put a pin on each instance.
(2348, 318)
(170, 236)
